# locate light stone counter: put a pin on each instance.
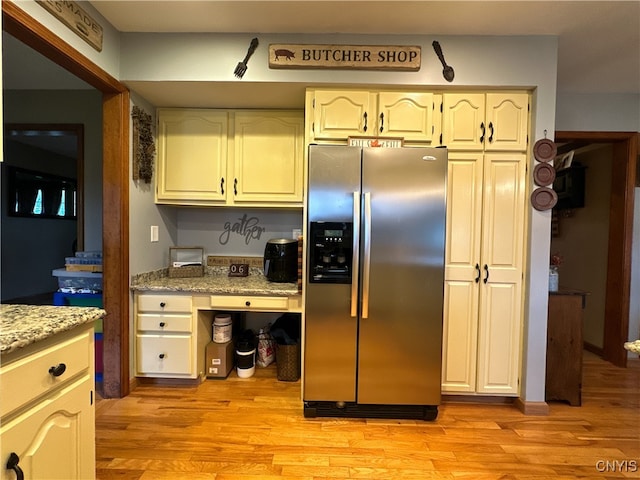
(215, 282)
(22, 325)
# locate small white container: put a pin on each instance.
(222, 328)
(246, 365)
(553, 279)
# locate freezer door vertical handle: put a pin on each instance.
(356, 254)
(366, 265)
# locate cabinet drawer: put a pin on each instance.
(250, 302)
(164, 303)
(28, 378)
(159, 322)
(166, 355)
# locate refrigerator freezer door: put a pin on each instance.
(330, 329)
(400, 340)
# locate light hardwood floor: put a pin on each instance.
(254, 429)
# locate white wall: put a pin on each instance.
(598, 113)
(108, 59)
(634, 308)
(69, 106)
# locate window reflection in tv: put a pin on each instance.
(40, 195)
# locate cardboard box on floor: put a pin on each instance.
(219, 359)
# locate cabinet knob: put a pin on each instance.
(12, 464)
(162, 324)
(162, 304)
(247, 303)
(161, 356)
(57, 370)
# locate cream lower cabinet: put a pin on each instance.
(496, 121)
(483, 273)
(210, 157)
(170, 336)
(48, 420)
(339, 114)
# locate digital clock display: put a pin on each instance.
(333, 233)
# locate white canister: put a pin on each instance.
(222, 328)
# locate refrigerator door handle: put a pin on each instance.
(356, 254)
(366, 267)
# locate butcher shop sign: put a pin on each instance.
(351, 57)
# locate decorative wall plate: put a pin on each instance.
(544, 174)
(545, 150)
(544, 198)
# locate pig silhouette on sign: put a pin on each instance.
(285, 53)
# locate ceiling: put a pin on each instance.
(598, 41)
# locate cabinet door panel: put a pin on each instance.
(55, 439)
(503, 216)
(500, 315)
(499, 338)
(340, 114)
(462, 121)
(462, 253)
(460, 333)
(164, 303)
(268, 157)
(406, 115)
(166, 355)
(507, 121)
(192, 156)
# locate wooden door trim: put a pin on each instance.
(618, 287)
(115, 214)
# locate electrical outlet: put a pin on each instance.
(154, 233)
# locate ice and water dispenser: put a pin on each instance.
(331, 252)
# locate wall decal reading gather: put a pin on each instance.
(245, 226)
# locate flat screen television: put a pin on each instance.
(569, 185)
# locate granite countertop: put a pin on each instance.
(22, 325)
(215, 281)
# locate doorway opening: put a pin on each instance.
(115, 191)
(619, 236)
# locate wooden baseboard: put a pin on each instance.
(532, 408)
(483, 400)
(175, 382)
(590, 347)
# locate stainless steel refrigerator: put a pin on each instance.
(374, 281)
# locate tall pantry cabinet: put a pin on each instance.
(487, 139)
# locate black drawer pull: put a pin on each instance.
(247, 303)
(57, 370)
(162, 324)
(161, 356)
(162, 304)
(12, 464)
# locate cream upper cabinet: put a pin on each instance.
(483, 273)
(192, 156)
(268, 157)
(491, 122)
(230, 157)
(338, 115)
